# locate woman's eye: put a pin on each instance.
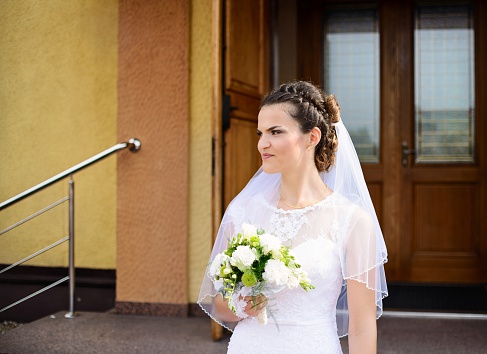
(259, 133)
(275, 132)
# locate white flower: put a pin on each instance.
(303, 276)
(242, 257)
(217, 263)
(276, 254)
(293, 281)
(270, 243)
(276, 273)
(248, 231)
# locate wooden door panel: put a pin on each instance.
(245, 81)
(445, 219)
(441, 234)
(241, 156)
(375, 190)
(244, 107)
(246, 77)
(246, 40)
(445, 244)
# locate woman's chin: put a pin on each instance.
(269, 169)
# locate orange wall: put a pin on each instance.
(153, 105)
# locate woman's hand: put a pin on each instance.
(255, 304)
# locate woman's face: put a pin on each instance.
(282, 145)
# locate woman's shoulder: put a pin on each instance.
(242, 208)
(350, 212)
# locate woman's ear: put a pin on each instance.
(315, 136)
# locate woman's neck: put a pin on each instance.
(302, 188)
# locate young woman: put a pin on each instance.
(311, 194)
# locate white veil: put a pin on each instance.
(344, 178)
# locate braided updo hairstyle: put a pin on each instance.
(310, 107)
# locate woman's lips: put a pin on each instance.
(266, 156)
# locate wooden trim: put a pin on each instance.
(391, 92)
(310, 42)
(405, 103)
(264, 77)
(217, 180)
(216, 116)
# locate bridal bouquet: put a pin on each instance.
(255, 263)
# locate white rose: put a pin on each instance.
(217, 263)
(242, 258)
(276, 273)
(248, 231)
(270, 243)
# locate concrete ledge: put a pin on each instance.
(151, 309)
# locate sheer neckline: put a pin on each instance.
(326, 200)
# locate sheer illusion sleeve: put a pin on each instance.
(242, 209)
(209, 289)
(362, 256)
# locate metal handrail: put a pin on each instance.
(133, 145)
(36, 214)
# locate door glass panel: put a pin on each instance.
(351, 72)
(444, 84)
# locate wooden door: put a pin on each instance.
(244, 72)
(245, 82)
(443, 157)
(433, 205)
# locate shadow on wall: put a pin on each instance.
(95, 291)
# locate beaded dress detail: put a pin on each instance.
(300, 321)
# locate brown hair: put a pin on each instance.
(311, 107)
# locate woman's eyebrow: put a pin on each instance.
(274, 127)
(271, 128)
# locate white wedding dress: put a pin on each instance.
(335, 240)
(323, 237)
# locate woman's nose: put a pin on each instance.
(263, 143)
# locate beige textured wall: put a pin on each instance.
(153, 187)
(58, 104)
(200, 237)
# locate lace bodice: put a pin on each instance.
(310, 315)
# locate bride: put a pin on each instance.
(309, 192)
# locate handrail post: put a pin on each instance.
(71, 313)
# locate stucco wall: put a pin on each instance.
(58, 104)
(200, 198)
(153, 188)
